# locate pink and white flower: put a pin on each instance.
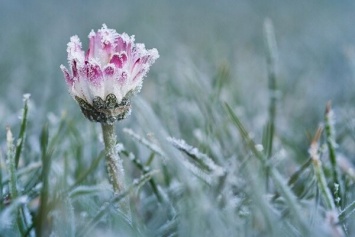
(103, 78)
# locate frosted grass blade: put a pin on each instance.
(22, 134)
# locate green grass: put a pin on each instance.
(227, 138)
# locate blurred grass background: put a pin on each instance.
(316, 58)
(211, 52)
(313, 40)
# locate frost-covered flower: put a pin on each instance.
(103, 78)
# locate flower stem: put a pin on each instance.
(113, 161)
(115, 169)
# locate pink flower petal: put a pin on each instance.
(119, 59)
(109, 70)
(67, 76)
(124, 42)
(74, 45)
(136, 64)
(74, 49)
(123, 78)
(121, 45)
(107, 48)
(93, 73)
(91, 51)
(108, 36)
(139, 75)
(123, 57)
(116, 60)
(113, 63)
(74, 68)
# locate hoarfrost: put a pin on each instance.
(259, 147)
(6, 216)
(135, 181)
(119, 148)
(26, 96)
(196, 154)
(145, 142)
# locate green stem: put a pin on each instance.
(113, 161)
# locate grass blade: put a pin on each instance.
(271, 59)
(22, 134)
(296, 176)
(143, 168)
(349, 210)
(6, 216)
(274, 174)
(330, 135)
(103, 210)
(1, 183)
(202, 160)
(42, 215)
(153, 147)
(14, 193)
(24, 171)
(89, 171)
(271, 54)
(11, 164)
(318, 170)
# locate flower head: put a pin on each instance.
(103, 78)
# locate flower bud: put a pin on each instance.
(103, 78)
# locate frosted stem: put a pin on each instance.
(113, 161)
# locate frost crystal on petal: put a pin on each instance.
(112, 67)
